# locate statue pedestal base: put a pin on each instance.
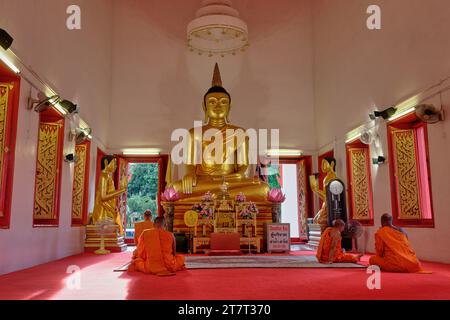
(264, 215)
(114, 242)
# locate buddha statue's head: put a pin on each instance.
(109, 164)
(328, 164)
(217, 101)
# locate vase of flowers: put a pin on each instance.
(277, 197)
(249, 211)
(204, 211)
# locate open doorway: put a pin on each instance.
(145, 182)
(291, 176)
(142, 193)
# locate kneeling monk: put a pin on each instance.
(156, 252)
(330, 249)
(393, 250)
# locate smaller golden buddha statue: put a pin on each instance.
(328, 167)
(105, 207)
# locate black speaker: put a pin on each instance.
(70, 157)
(182, 242)
(5, 39)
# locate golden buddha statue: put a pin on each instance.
(105, 207)
(233, 166)
(328, 167)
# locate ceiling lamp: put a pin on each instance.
(217, 30)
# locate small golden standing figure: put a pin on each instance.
(106, 206)
(328, 167)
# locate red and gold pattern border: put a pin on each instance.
(302, 190)
(407, 174)
(359, 179)
(9, 97)
(4, 101)
(46, 171)
(360, 184)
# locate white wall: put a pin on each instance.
(159, 85)
(77, 63)
(357, 70)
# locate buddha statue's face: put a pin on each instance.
(112, 166)
(326, 166)
(217, 105)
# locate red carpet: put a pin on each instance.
(98, 281)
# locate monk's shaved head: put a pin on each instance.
(159, 222)
(386, 220)
(338, 223)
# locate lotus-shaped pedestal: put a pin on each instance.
(275, 195)
(170, 195)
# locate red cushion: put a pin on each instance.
(225, 241)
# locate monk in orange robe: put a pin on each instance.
(156, 252)
(394, 252)
(139, 227)
(330, 249)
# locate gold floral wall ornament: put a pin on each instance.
(302, 197)
(9, 102)
(361, 206)
(47, 171)
(406, 173)
(4, 100)
(79, 182)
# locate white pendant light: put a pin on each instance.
(217, 30)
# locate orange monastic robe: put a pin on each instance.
(139, 227)
(394, 252)
(155, 255)
(325, 246)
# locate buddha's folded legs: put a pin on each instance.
(253, 190)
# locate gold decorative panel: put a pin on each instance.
(406, 174)
(79, 178)
(360, 184)
(302, 197)
(46, 171)
(4, 100)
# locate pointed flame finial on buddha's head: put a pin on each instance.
(216, 85)
(217, 80)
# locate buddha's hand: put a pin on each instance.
(234, 177)
(313, 183)
(188, 181)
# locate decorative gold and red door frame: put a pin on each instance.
(80, 188)
(48, 169)
(9, 101)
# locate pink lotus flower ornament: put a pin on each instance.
(208, 196)
(240, 197)
(170, 195)
(275, 195)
